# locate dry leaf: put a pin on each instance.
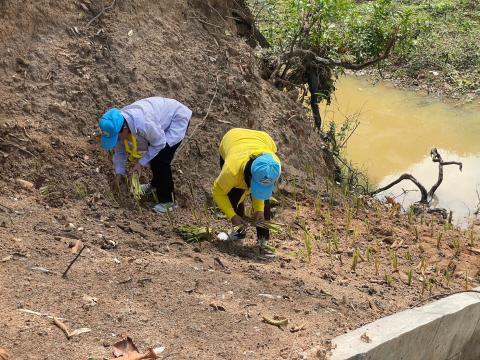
(276, 321)
(126, 350)
(123, 346)
(79, 331)
(365, 338)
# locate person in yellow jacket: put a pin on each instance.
(249, 165)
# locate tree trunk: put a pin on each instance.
(312, 80)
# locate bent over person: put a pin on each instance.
(249, 165)
(147, 132)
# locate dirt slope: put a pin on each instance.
(59, 72)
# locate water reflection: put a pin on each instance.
(398, 128)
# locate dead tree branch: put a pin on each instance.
(422, 189)
(426, 196)
(436, 157)
(106, 8)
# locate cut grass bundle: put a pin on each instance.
(135, 188)
(195, 234)
(265, 224)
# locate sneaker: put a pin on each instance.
(147, 188)
(163, 208)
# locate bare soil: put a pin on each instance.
(206, 300)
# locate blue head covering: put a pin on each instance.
(111, 123)
(265, 172)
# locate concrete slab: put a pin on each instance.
(447, 329)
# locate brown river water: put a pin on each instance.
(397, 130)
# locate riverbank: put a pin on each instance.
(438, 52)
(397, 130)
(427, 83)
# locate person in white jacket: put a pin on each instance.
(148, 132)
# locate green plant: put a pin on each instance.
(335, 241)
(348, 222)
(359, 202)
(170, 217)
(195, 234)
(439, 239)
(44, 190)
(367, 253)
(318, 205)
(448, 226)
(424, 285)
(471, 237)
(135, 188)
(388, 279)
(423, 265)
(355, 260)
(411, 215)
(81, 190)
(308, 242)
(297, 210)
(394, 259)
(408, 256)
(457, 245)
(327, 216)
(410, 277)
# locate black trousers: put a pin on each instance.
(235, 195)
(162, 179)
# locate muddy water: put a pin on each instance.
(397, 130)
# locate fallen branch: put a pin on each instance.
(426, 196)
(65, 330)
(400, 179)
(62, 327)
(27, 311)
(101, 13)
(436, 157)
(203, 21)
(64, 275)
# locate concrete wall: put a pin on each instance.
(447, 329)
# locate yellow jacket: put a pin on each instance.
(236, 148)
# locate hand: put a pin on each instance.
(237, 220)
(259, 216)
(137, 168)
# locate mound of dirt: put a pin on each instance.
(65, 63)
(62, 65)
